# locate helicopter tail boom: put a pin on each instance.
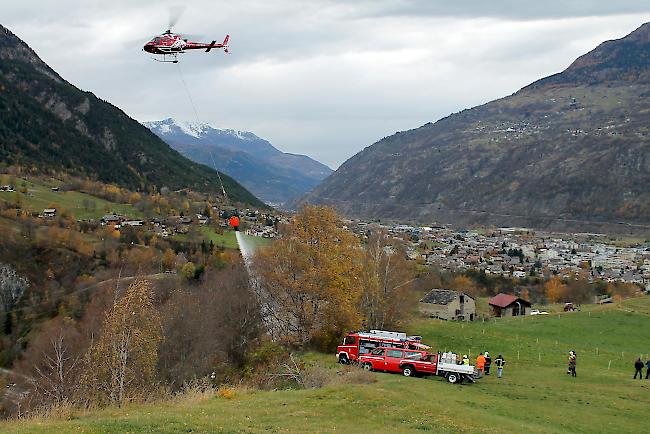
(223, 45)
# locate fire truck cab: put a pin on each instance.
(356, 344)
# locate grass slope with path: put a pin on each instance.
(535, 395)
(82, 205)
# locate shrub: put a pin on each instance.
(226, 392)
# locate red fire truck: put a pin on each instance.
(356, 344)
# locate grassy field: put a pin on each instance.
(226, 240)
(535, 395)
(82, 205)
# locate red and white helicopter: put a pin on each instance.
(170, 45)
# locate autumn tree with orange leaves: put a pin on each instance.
(309, 280)
(120, 365)
(555, 289)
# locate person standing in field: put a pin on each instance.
(488, 363)
(572, 363)
(647, 370)
(465, 360)
(638, 365)
(499, 362)
(480, 365)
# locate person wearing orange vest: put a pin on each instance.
(480, 365)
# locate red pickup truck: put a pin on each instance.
(415, 362)
(408, 362)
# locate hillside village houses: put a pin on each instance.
(260, 224)
(520, 252)
(49, 213)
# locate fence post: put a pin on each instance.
(539, 356)
(596, 350)
(609, 365)
(517, 355)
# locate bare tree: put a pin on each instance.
(54, 381)
(386, 300)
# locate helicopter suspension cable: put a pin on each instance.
(189, 95)
(196, 116)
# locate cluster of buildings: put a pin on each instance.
(521, 253)
(457, 306)
(259, 224)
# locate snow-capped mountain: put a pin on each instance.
(272, 175)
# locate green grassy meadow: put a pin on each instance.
(40, 196)
(535, 394)
(227, 240)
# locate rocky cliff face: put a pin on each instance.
(571, 151)
(48, 125)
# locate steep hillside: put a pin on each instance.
(47, 124)
(274, 176)
(569, 151)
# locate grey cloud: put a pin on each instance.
(507, 9)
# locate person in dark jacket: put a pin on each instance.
(488, 363)
(499, 361)
(638, 365)
(647, 371)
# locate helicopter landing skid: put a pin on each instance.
(173, 58)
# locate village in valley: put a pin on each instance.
(521, 253)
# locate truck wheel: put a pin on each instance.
(452, 378)
(367, 366)
(343, 360)
(408, 371)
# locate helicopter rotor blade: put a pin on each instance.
(139, 42)
(175, 13)
(190, 37)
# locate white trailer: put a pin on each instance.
(453, 372)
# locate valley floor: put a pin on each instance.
(535, 394)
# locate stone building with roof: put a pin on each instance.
(448, 305)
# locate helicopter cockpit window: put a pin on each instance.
(156, 40)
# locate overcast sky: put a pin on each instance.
(324, 78)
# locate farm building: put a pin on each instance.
(49, 212)
(448, 305)
(508, 305)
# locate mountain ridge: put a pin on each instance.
(568, 151)
(275, 176)
(49, 125)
